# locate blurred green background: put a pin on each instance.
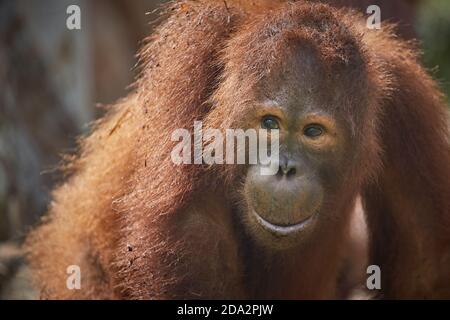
(433, 28)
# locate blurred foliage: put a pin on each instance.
(433, 25)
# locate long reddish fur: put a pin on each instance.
(141, 227)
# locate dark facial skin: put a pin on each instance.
(315, 148)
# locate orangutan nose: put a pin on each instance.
(288, 167)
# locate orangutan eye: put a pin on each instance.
(313, 131)
(270, 123)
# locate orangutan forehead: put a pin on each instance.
(297, 51)
(280, 39)
(303, 76)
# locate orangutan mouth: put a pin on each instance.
(284, 230)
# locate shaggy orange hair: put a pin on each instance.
(129, 217)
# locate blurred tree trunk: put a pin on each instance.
(45, 101)
(51, 78)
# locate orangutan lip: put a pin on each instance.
(283, 230)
